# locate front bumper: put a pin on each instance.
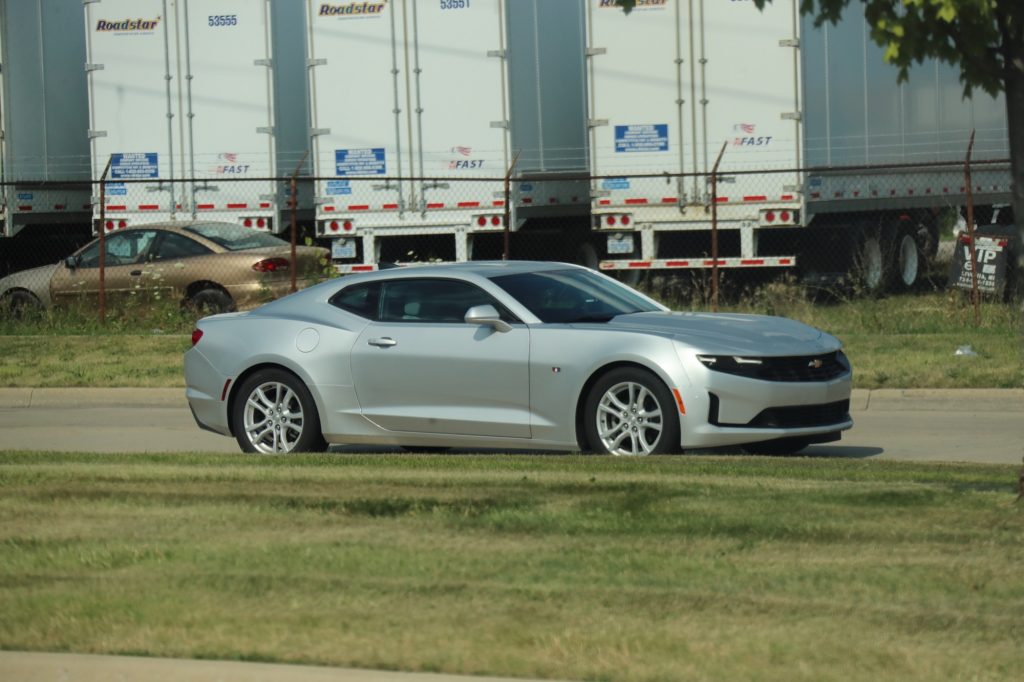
(725, 410)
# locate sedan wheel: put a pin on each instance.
(19, 303)
(275, 413)
(212, 301)
(631, 412)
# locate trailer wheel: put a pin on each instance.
(928, 239)
(586, 255)
(908, 257)
(870, 264)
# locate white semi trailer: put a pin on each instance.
(181, 107)
(44, 153)
(410, 106)
(673, 81)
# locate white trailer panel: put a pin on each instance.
(399, 92)
(229, 99)
(672, 82)
(181, 90)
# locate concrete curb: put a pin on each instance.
(17, 666)
(940, 399)
(878, 399)
(92, 397)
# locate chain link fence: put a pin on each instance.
(232, 242)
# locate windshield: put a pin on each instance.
(572, 295)
(234, 237)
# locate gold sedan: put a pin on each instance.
(215, 266)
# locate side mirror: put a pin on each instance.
(71, 262)
(487, 315)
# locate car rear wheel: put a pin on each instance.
(211, 301)
(629, 411)
(275, 413)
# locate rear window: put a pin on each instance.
(235, 237)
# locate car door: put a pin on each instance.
(125, 254)
(173, 263)
(419, 367)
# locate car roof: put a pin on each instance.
(485, 269)
(173, 225)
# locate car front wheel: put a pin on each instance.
(629, 411)
(275, 413)
(18, 303)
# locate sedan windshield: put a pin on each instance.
(572, 295)
(234, 237)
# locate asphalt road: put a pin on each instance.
(915, 424)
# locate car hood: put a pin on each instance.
(732, 334)
(36, 280)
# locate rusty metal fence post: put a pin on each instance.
(975, 294)
(102, 229)
(714, 230)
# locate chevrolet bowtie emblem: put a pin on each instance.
(816, 363)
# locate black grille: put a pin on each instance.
(795, 368)
(802, 416)
(793, 417)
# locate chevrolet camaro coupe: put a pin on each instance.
(510, 355)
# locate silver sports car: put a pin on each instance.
(510, 355)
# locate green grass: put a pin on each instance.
(897, 342)
(564, 567)
(99, 361)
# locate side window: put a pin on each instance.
(172, 246)
(123, 248)
(434, 300)
(359, 299)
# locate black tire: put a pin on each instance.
(587, 256)
(780, 446)
(630, 411)
(211, 301)
(19, 303)
(274, 412)
(928, 239)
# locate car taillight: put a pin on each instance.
(196, 335)
(271, 265)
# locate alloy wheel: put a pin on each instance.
(273, 418)
(629, 419)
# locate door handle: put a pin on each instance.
(383, 342)
(135, 273)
